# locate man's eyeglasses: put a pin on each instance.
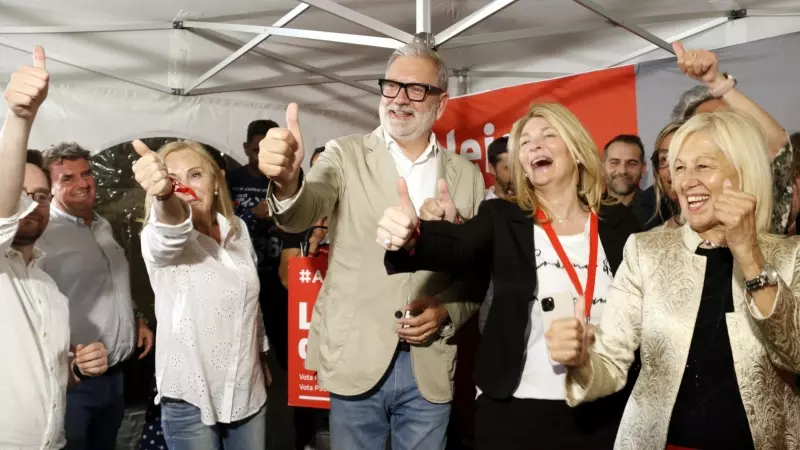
(416, 92)
(42, 198)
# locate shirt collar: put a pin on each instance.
(25, 207)
(55, 211)
(392, 145)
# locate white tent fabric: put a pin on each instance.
(97, 109)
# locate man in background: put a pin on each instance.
(497, 154)
(92, 270)
(624, 165)
(248, 188)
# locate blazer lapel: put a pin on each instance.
(382, 167)
(444, 170)
(522, 229)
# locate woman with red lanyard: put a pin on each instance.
(554, 240)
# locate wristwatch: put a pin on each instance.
(768, 277)
(723, 88)
(140, 315)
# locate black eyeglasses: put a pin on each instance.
(42, 198)
(659, 159)
(416, 92)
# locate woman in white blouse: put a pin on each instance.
(209, 374)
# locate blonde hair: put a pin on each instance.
(581, 147)
(658, 185)
(742, 140)
(222, 200)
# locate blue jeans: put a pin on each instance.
(184, 430)
(95, 408)
(395, 406)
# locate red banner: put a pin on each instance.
(604, 101)
(305, 280)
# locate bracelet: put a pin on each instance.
(163, 198)
(723, 88)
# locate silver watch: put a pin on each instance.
(768, 277)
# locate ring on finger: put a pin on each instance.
(387, 243)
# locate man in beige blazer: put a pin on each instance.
(388, 372)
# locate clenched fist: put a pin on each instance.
(700, 65)
(150, 171)
(28, 86)
(92, 359)
(442, 208)
(281, 153)
(568, 340)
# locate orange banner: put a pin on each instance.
(604, 101)
(305, 280)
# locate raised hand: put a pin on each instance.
(397, 228)
(442, 208)
(736, 211)
(700, 65)
(28, 87)
(281, 153)
(446, 202)
(151, 172)
(568, 340)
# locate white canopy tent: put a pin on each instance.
(203, 68)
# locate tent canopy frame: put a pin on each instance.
(391, 38)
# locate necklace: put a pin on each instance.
(709, 244)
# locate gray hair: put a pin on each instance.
(69, 151)
(689, 102)
(416, 49)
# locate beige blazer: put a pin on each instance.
(352, 338)
(653, 304)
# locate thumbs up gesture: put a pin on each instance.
(281, 153)
(398, 226)
(442, 208)
(151, 172)
(700, 65)
(568, 340)
(28, 87)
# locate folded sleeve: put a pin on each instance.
(162, 243)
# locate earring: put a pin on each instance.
(216, 193)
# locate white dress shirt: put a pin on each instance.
(34, 330)
(540, 378)
(91, 269)
(420, 175)
(210, 329)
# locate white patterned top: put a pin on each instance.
(210, 330)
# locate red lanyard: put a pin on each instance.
(562, 255)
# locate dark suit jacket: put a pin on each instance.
(498, 242)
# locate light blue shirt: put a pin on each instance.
(91, 269)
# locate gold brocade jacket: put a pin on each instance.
(653, 306)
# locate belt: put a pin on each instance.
(113, 370)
